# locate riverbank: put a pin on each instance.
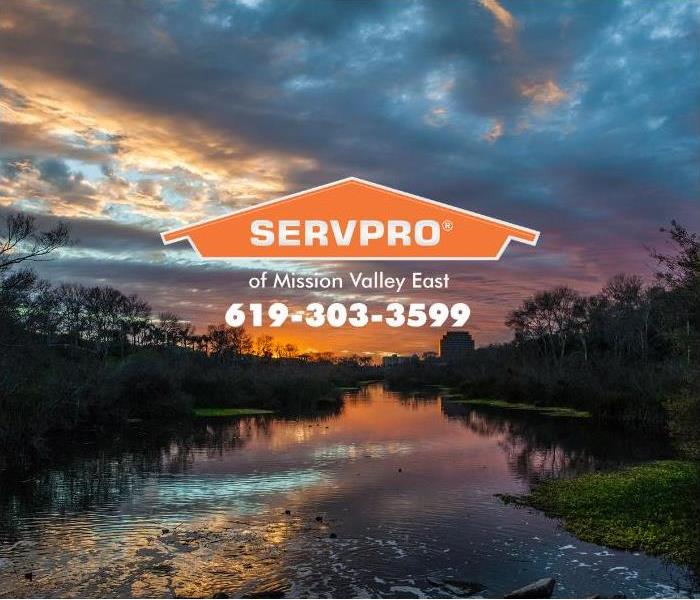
(652, 508)
(58, 393)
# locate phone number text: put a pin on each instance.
(357, 314)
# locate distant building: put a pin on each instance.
(456, 345)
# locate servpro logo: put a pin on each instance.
(316, 233)
(352, 219)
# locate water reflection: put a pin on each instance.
(405, 482)
(539, 447)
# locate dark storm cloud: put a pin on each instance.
(58, 173)
(98, 235)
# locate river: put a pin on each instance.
(380, 498)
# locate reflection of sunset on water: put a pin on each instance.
(405, 481)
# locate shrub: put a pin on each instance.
(142, 386)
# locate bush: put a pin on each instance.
(39, 394)
(684, 421)
(45, 391)
(141, 386)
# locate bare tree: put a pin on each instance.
(22, 241)
(228, 341)
(549, 318)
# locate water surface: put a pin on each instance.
(406, 482)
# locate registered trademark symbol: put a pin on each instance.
(448, 225)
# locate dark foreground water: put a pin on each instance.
(405, 482)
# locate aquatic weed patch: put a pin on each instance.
(230, 412)
(651, 507)
(550, 411)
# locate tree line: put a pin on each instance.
(101, 319)
(627, 320)
(76, 359)
(629, 353)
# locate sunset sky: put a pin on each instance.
(578, 119)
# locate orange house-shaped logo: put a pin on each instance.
(352, 219)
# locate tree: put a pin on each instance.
(550, 319)
(628, 313)
(22, 241)
(170, 329)
(679, 273)
(264, 346)
(15, 290)
(228, 341)
(287, 350)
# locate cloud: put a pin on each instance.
(129, 118)
(437, 117)
(494, 132)
(506, 22)
(544, 92)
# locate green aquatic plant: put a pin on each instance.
(230, 412)
(651, 507)
(551, 411)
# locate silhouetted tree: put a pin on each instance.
(22, 241)
(679, 272)
(229, 342)
(264, 346)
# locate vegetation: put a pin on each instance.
(651, 507)
(628, 354)
(75, 356)
(684, 422)
(550, 411)
(87, 358)
(230, 412)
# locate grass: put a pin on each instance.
(651, 507)
(230, 412)
(550, 411)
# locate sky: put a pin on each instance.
(577, 119)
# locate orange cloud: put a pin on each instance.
(543, 93)
(506, 22)
(48, 116)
